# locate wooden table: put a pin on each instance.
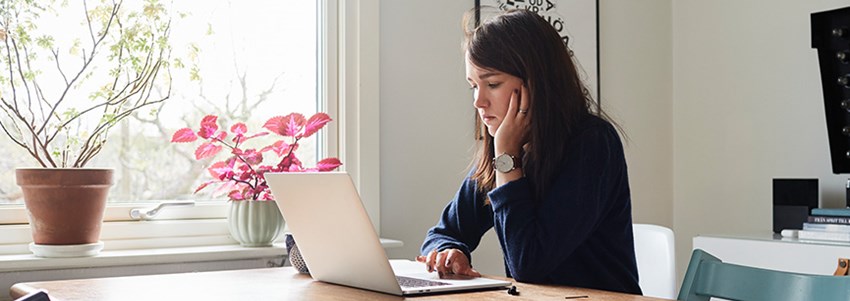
(270, 284)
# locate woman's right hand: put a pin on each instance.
(513, 132)
(448, 262)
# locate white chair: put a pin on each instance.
(656, 260)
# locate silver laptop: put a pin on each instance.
(339, 243)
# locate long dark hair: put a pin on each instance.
(523, 44)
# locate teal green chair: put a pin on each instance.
(709, 277)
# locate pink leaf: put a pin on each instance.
(240, 192)
(184, 135)
(315, 123)
(219, 169)
(208, 126)
(277, 145)
(290, 163)
(260, 134)
(275, 125)
(209, 119)
(253, 157)
(287, 126)
(328, 164)
(207, 150)
(221, 135)
(239, 129)
(225, 186)
(259, 190)
(291, 149)
(294, 123)
(204, 185)
(297, 163)
(280, 148)
(237, 195)
(261, 172)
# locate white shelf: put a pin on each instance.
(29, 262)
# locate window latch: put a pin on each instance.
(146, 214)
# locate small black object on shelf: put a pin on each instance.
(793, 200)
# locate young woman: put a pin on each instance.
(550, 175)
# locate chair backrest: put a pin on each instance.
(709, 277)
(656, 260)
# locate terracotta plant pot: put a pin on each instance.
(65, 205)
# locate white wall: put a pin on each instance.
(426, 122)
(747, 108)
(426, 113)
(636, 76)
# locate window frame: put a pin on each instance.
(348, 80)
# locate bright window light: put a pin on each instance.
(244, 61)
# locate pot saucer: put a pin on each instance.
(58, 251)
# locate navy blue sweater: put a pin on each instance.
(578, 234)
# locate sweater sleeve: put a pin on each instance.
(464, 220)
(538, 234)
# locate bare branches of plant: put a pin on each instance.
(127, 48)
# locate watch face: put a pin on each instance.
(503, 163)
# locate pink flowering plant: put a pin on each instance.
(241, 175)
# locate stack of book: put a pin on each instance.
(827, 224)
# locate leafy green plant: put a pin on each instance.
(119, 65)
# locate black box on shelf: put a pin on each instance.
(793, 200)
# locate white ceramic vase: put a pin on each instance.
(254, 223)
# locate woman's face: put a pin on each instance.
(491, 93)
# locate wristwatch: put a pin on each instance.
(505, 163)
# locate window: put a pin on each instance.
(330, 67)
(229, 58)
(252, 61)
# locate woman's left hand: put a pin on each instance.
(513, 131)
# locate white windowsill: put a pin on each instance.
(29, 262)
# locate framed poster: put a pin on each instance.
(577, 23)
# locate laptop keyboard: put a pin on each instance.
(415, 282)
